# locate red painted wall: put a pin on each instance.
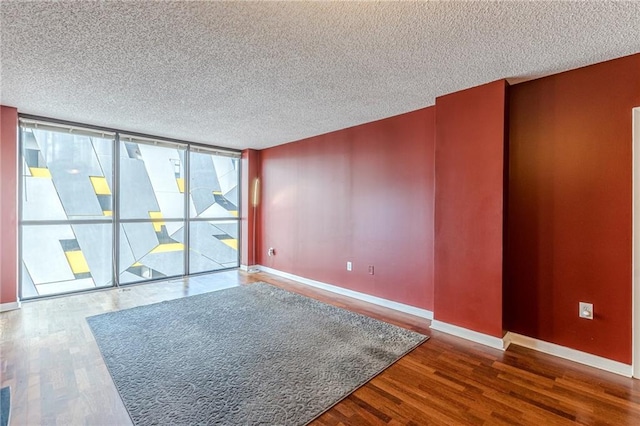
(470, 140)
(569, 214)
(250, 165)
(362, 194)
(8, 204)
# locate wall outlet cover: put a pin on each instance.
(586, 310)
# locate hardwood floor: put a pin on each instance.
(50, 359)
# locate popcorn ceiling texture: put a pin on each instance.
(259, 74)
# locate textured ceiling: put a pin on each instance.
(240, 74)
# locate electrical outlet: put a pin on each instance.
(586, 310)
(370, 269)
(271, 251)
(349, 267)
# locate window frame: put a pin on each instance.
(115, 220)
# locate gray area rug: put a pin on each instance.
(5, 405)
(253, 354)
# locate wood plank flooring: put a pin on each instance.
(50, 359)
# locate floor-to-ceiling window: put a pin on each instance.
(101, 208)
(213, 210)
(66, 215)
(151, 209)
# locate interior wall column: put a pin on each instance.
(469, 211)
(250, 185)
(8, 208)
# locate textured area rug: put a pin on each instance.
(253, 354)
(5, 405)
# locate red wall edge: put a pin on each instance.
(250, 172)
(362, 194)
(470, 140)
(570, 207)
(8, 204)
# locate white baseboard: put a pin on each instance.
(4, 307)
(397, 306)
(250, 269)
(474, 336)
(570, 354)
(465, 333)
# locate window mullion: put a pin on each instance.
(116, 210)
(187, 221)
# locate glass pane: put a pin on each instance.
(213, 245)
(151, 181)
(151, 250)
(63, 258)
(213, 185)
(65, 176)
